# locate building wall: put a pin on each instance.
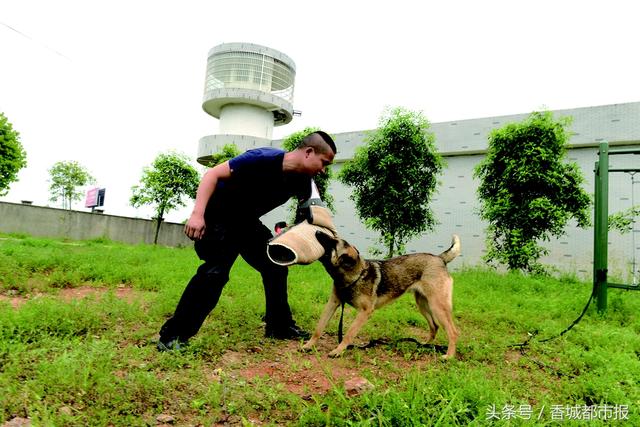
(43, 221)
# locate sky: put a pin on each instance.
(112, 84)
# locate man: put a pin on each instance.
(225, 223)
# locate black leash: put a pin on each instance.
(567, 329)
(340, 325)
(378, 341)
(342, 312)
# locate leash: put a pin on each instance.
(379, 341)
(526, 342)
(342, 303)
(340, 325)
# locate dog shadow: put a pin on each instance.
(395, 343)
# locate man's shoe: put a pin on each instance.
(291, 332)
(171, 345)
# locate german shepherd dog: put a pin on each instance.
(367, 285)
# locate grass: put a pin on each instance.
(91, 361)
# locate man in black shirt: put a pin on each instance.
(225, 223)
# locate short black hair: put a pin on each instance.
(310, 141)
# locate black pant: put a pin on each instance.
(219, 249)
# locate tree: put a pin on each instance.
(66, 176)
(228, 152)
(527, 193)
(623, 221)
(394, 178)
(12, 155)
(322, 180)
(164, 185)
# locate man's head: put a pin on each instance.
(318, 151)
(320, 141)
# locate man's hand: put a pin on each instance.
(195, 227)
(280, 226)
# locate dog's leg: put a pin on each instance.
(329, 309)
(361, 318)
(441, 307)
(423, 306)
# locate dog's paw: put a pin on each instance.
(336, 353)
(308, 346)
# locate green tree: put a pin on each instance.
(322, 180)
(228, 152)
(527, 192)
(164, 185)
(66, 177)
(394, 176)
(12, 155)
(623, 221)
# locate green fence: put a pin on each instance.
(601, 224)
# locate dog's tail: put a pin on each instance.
(453, 251)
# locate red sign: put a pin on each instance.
(92, 198)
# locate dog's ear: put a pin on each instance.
(326, 241)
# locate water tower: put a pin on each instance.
(249, 88)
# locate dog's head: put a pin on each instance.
(339, 255)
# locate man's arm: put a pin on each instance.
(195, 226)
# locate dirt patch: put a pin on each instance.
(315, 373)
(512, 356)
(73, 294)
(304, 374)
(121, 292)
(15, 302)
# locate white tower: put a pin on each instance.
(249, 88)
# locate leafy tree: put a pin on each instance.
(66, 177)
(12, 155)
(228, 151)
(623, 221)
(394, 177)
(527, 193)
(164, 185)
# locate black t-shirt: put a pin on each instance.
(257, 185)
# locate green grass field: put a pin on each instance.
(78, 322)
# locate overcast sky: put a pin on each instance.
(111, 84)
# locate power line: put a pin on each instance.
(35, 41)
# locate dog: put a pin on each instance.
(368, 285)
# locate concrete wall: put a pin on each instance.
(43, 221)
